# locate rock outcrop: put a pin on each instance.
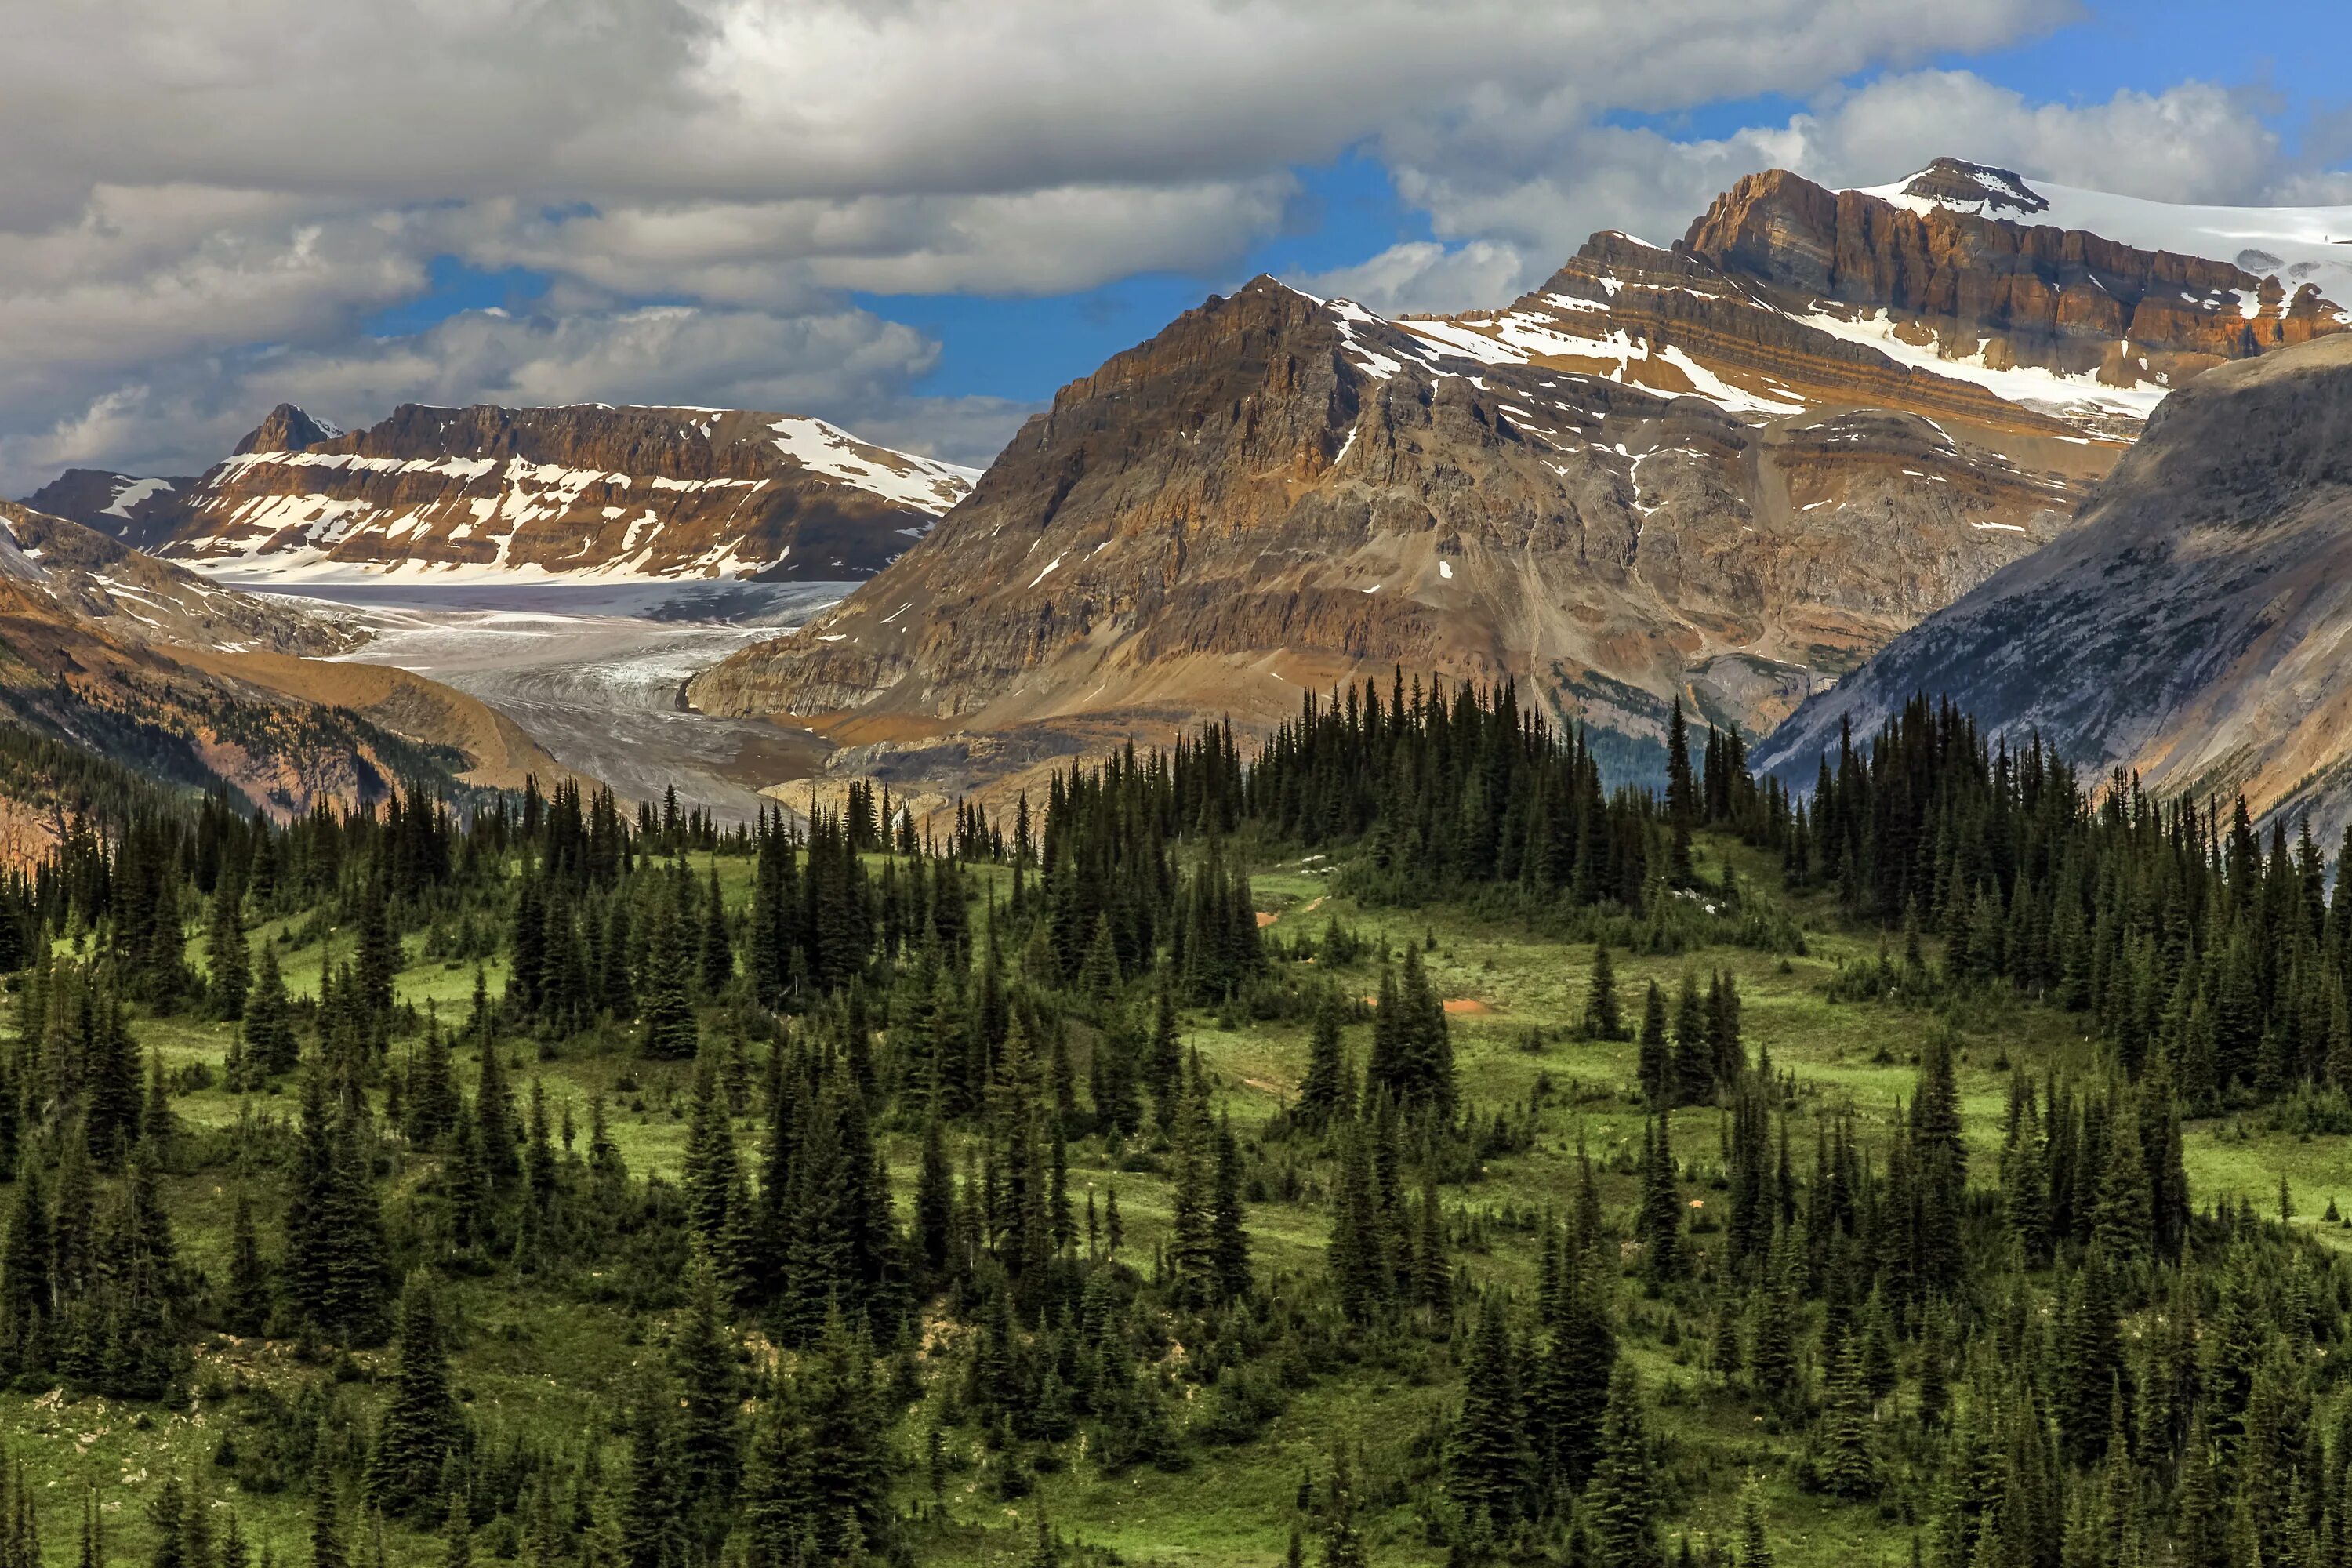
(2190, 629)
(1278, 492)
(587, 490)
(144, 514)
(197, 685)
(1727, 470)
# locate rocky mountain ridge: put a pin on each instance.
(1279, 491)
(1954, 293)
(588, 490)
(196, 684)
(1727, 469)
(2189, 630)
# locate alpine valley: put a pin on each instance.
(1683, 923)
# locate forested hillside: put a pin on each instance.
(1387, 1147)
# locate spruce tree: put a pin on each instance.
(1655, 1065)
(1326, 1094)
(1658, 1226)
(709, 1442)
(718, 958)
(666, 1000)
(227, 956)
(1487, 1458)
(1621, 1501)
(421, 1427)
(1603, 1017)
(267, 1033)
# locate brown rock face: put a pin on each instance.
(1998, 282)
(2192, 628)
(195, 684)
(109, 586)
(592, 491)
(1278, 492)
(141, 512)
(1729, 470)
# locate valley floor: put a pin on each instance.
(595, 673)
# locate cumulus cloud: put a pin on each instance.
(1537, 190)
(204, 206)
(856, 366)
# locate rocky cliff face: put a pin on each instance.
(2192, 628)
(1278, 492)
(1955, 294)
(142, 512)
(588, 490)
(198, 685)
(1729, 470)
(1974, 273)
(104, 582)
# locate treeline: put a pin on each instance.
(2209, 961)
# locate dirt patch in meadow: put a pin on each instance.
(1470, 1004)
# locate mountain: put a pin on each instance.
(1962, 291)
(111, 587)
(455, 494)
(1278, 492)
(2192, 628)
(1728, 470)
(141, 512)
(196, 685)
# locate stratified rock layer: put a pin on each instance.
(2192, 629)
(587, 490)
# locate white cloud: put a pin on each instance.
(852, 363)
(1537, 190)
(204, 204)
(1426, 276)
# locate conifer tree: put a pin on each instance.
(665, 999)
(421, 1425)
(717, 959)
(1192, 1196)
(1603, 1017)
(1659, 1224)
(708, 1441)
(1228, 1242)
(1326, 1094)
(378, 958)
(1621, 1501)
(266, 1033)
(1755, 1540)
(494, 1115)
(1655, 1065)
(1342, 1535)
(227, 956)
(247, 1307)
(1682, 800)
(1488, 1460)
(1846, 1464)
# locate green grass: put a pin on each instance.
(550, 1365)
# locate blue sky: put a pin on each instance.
(1025, 347)
(918, 220)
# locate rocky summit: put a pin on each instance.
(1278, 492)
(1725, 470)
(2190, 629)
(590, 492)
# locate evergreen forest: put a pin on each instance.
(1383, 1144)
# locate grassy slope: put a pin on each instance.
(551, 1364)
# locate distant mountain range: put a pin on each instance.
(587, 491)
(1729, 470)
